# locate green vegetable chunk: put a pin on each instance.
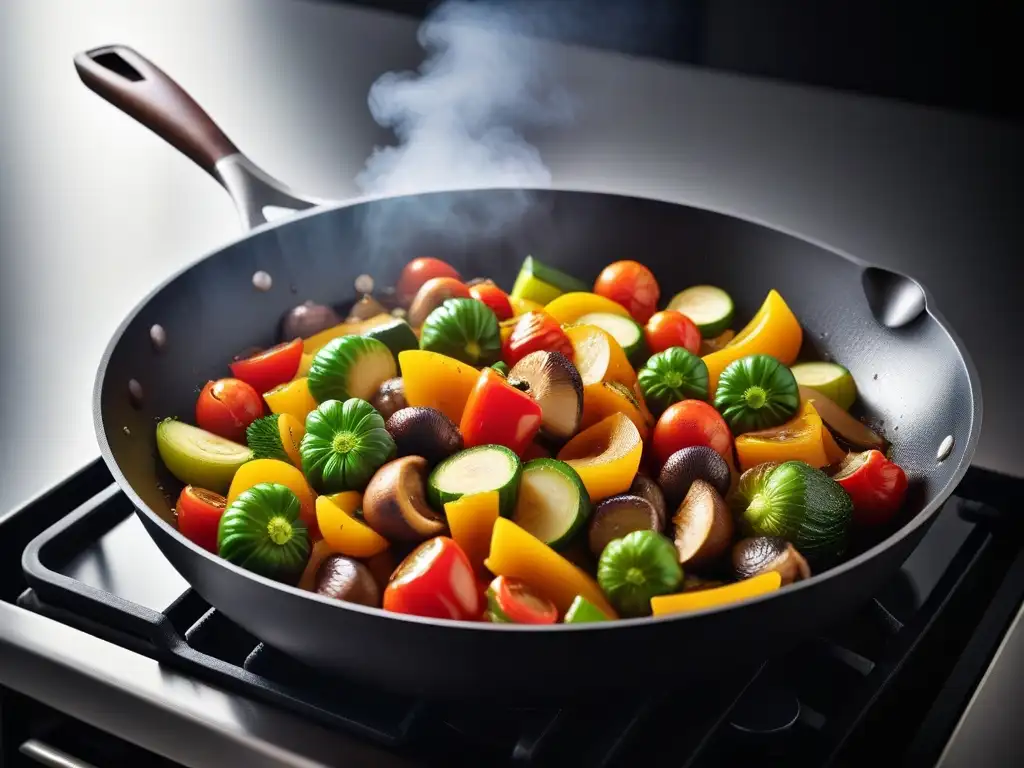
(263, 436)
(583, 611)
(501, 367)
(465, 329)
(197, 457)
(552, 503)
(831, 379)
(475, 470)
(756, 392)
(802, 505)
(624, 330)
(344, 444)
(538, 282)
(350, 366)
(671, 376)
(637, 567)
(710, 308)
(261, 531)
(397, 336)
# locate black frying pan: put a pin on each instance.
(912, 372)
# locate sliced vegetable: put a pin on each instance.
(702, 527)
(198, 512)
(802, 505)
(582, 611)
(672, 329)
(700, 599)
(475, 470)
(750, 483)
(501, 368)
(646, 488)
(267, 369)
(350, 501)
(344, 533)
(625, 330)
(876, 485)
(390, 397)
(511, 601)
(618, 515)
(471, 520)
(437, 381)
(568, 308)
(830, 379)
(671, 376)
(292, 398)
(761, 554)
(697, 462)
(436, 580)
(304, 363)
(707, 346)
(603, 398)
(197, 457)
(606, 456)
(552, 380)
(518, 555)
(637, 567)
(431, 295)
(539, 282)
(425, 432)
(280, 473)
(348, 580)
(522, 306)
(495, 298)
(306, 320)
(553, 503)
(499, 414)
(802, 438)
(276, 436)
(598, 356)
(397, 336)
(262, 531)
(226, 407)
(632, 285)
(417, 272)
(315, 343)
(395, 502)
(321, 551)
(756, 392)
(351, 366)
(852, 431)
(691, 422)
(464, 329)
(345, 443)
(535, 332)
(365, 308)
(709, 307)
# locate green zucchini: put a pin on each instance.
(397, 336)
(350, 366)
(624, 330)
(197, 457)
(582, 611)
(831, 379)
(553, 503)
(541, 283)
(475, 470)
(710, 308)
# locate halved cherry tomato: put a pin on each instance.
(199, 512)
(632, 285)
(435, 580)
(511, 600)
(227, 407)
(417, 272)
(534, 332)
(672, 329)
(691, 422)
(265, 370)
(493, 297)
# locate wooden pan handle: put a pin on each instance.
(140, 89)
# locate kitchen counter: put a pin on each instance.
(95, 210)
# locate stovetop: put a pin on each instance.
(890, 681)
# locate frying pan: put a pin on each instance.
(914, 377)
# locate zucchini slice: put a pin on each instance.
(553, 503)
(624, 330)
(350, 366)
(197, 457)
(397, 336)
(710, 308)
(475, 470)
(541, 283)
(831, 379)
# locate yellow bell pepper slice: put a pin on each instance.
(471, 521)
(774, 331)
(292, 398)
(316, 342)
(349, 501)
(570, 307)
(598, 356)
(602, 399)
(291, 430)
(762, 584)
(304, 362)
(522, 306)
(802, 438)
(516, 554)
(346, 534)
(274, 471)
(437, 381)
(606, 456)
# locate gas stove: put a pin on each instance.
(110, 659)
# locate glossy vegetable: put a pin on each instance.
(262, 531)
(512, 601)
(698, 462)
(568, 308)
(344, 444)
(618, 515)
(348, 580)
(646, 488)
(671, 376)
(710, 308)
(276, 436)
(365, 308)
(802, 438)
(431, 295)
(475, 470)
(436, 381)
(606, 456)
(852, 431)
(756, 392)
(395, 501)
(552, 503)
(635, 568)
(267, 369)
(315, 343)
(350, 366)
(691, 422)
(320, 551)
(535, 332)
(632, 285)
(625, 330)
(495, 298)
(197, 457)
(603, 398)
(552, 380)
(714, 597)
(876, 485)
(761, 554)
(226, 407)
(672, 329)
(417, 272)
(279, 473)
(425, 432)
(389, 398)
(702, 527)
(307, 319)
(707, 346)
(292, 398)
(522, 306)
(518, 555)
(198, 512)
(582, 611)
(830, 379)
(464, 329)
(436, 580)
(344, 533)
(538, 282)
(598, 356)
(397, 336)
(499, 414)
(471, 521)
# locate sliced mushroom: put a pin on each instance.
(364, 309)
(618, 515)
(425, 432)
(854, 432)
(390, 397)
(431, 295)
(702, 526)
(697, 462)
(644, 486)
(693, 583)
(553, 381)
(395, 501)
(343, 578)
(307, 319)
(761, 554)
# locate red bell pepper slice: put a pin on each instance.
(199, 512)
(876, 485)
(435, 580)
(497, 413)
(266, 370)
(512, 601)
(535, 332)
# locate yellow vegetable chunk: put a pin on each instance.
(522, 306)
(802, 438)
(602, 399)
(471, 520)
(304, 362)
(598, 356)
(315, 343)
(349, 501)
(292, 398)
(570, 307)
(273, 471)
(291, 430)
(437, 381)
(346, 534)
(606, 456)
(684, 602)
(515, 554)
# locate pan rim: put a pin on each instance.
(922, 518)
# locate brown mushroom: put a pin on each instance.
(695, 462)
(618, 515)
(307, 319)
(343, 578)
(431, 295)
(364, 309)
(395, 501)
(644, 486)
(390, 397)
(425, 432)
(760, 554)
(702, 526)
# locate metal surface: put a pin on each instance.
(51, 757)
(253, 190)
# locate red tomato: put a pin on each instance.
(199, 512)
(672, 329)
(520, 604)
(534, 332)
(493, 297)
(632, 285)
(691, 422)
(417, 272)
(227, 407)
(265, 370)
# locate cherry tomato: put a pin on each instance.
(511, 600)
(493, 297)
(632, 285)
(435, 580)
(417, 272)
(199, 512)
(672, 329)
(535, 331)
(691, 422)
(265, 370)
(227, 407)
